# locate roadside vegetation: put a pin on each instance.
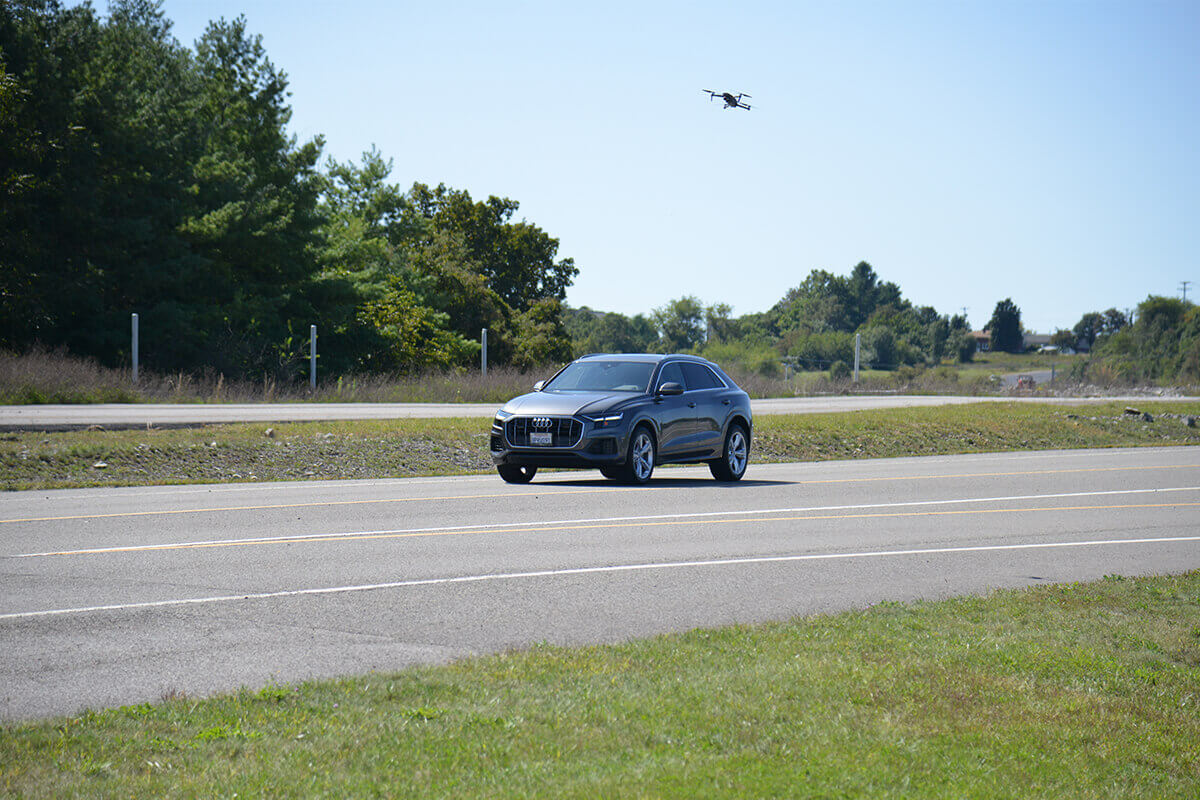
(40, 376)
(405, 448)
(1066, 691)
(142, 175)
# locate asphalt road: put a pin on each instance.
(117, 596)
(129, 415)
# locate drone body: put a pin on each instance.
(731, 100)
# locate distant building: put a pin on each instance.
(1035, 341)
(983, 340)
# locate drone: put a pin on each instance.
(731, 100)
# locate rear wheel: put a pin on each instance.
(516, 473)
(612, 473)
(731, 466)
(639, 466)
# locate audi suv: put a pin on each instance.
(624, 415)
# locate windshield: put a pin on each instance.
(602, 376)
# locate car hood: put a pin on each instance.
(564, 403)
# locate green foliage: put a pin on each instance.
(681, 325)
(516, 259)
(541, 336)
(963, 345)
(818, 350)
(156, 180)
(413, 337)
(599, 332)
(1163, 345)
(1087, 329)
(839, 371)
(137, 175)
(1005, 327)
(744, 356)
(1064, 340)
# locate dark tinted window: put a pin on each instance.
(672, 374)
(602, 376)
(700, 377)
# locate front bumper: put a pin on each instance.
(576, 442)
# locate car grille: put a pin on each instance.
(565, 431)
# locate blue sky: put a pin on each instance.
(970, 151)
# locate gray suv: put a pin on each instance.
(623, 415)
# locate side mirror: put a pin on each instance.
(537, 387)
(670, 389)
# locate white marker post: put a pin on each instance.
(134, 328)
(857, 350)
(312, 357)
(483, 353)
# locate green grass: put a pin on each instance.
(403, 448)
(1069, 691)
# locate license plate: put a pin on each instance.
(545, 439)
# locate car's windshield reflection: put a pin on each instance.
(602, 376)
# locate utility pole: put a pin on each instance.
(1183, 285)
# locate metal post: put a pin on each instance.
(857, 350)
(312, 356)
(1052, 371)
(134, 326)
(483, 353)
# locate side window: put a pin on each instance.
(672, 374)
(700, 377)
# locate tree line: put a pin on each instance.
(140, 175)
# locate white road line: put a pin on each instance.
(555, 573)
(594, 521)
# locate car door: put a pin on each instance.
(704, 395)
(673, 414)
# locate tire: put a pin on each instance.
(612, 473)
(731, 466)
(516, 473)
(639, 464)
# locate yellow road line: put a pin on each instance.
(549, 489)
(609, 525)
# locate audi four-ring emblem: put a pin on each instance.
(541, 422)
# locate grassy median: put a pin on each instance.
(1082, 690)
(403, 448)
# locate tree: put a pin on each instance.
(517, 259)
(148, 178)
(1005, 327)
(881, 348)
(1114, 321)
(541, 337)
(1064, 340)
(680, 324)
(1088, 328)
(963, 345)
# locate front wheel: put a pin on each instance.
(639, 466)
(731, 466)
(516, 473)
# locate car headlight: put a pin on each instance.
(502, 416)
(607, 421)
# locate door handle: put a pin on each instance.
(692, 405)
(725, 402)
